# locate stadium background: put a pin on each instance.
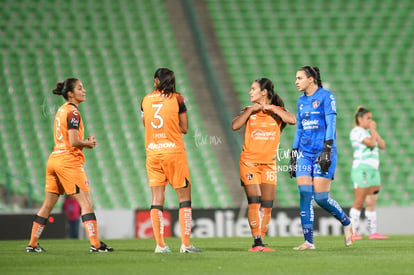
(217, 48)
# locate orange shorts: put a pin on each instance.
(164, 168)
(64, 173)
(257, 173)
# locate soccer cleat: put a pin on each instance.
(305, 246)
(349, 234)
(377, 236)
(102, 248)
(37, 249)
(357, 237)
(160, 249)
(189, 249)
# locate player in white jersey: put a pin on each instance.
(365, 175)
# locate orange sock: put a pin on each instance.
(91, 226)
(186, 219)
(266, 216)
(253, 215)
(39, 224)
(158, 224)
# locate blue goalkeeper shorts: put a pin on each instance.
(307, 167)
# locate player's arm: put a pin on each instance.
(381, 142)
(371, 141)
(241, 119)
(281, 112)
(182, 114)
(183, 122)
(298, 133)
(142, 113)
(294, 152)
(75, 141)
(73, 121)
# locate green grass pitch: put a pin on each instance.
(219, 256)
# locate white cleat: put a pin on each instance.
(189, 249)
(349, 234)
(160, 249)
(305, 246)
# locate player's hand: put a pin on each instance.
(373, 125)
(324, 159)
(267, 108)
(91, 142)
(256, 108)
(293, 162)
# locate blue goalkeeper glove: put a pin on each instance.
(324, 158)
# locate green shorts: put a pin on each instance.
(364, 178)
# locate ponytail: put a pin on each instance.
(277, 101)
(63, 87)
(360, 111)
(318, 77)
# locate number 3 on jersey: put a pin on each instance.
(157, 117)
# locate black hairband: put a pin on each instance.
(310, 71)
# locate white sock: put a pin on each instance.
(355, 214)
(372, 221)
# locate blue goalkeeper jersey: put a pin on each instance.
(316, 122)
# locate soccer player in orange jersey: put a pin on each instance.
(264, 121)
(164, 115)
(64, 168)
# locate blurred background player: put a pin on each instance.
(72, 209)
(164, 115)
(264, 121)
(313, 157)
(366, 142)
(64, 168)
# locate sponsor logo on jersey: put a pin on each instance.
(165, 145)
(333, 105)
(310, 124)
(74, 122)
(263, 135)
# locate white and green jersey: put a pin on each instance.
(363, 155)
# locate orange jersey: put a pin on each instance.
(67, 118)
(161, 119)
(261, 139)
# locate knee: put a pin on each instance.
(306, 192)
(321, 198)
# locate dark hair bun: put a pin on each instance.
(59, 88)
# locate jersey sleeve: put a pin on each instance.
(181, 105)
(73, 119)
(329, 104)
(358, 135)
(299, 128)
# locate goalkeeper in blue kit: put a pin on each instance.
(314, 155)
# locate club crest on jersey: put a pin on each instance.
(249, 176)
(316, 104)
